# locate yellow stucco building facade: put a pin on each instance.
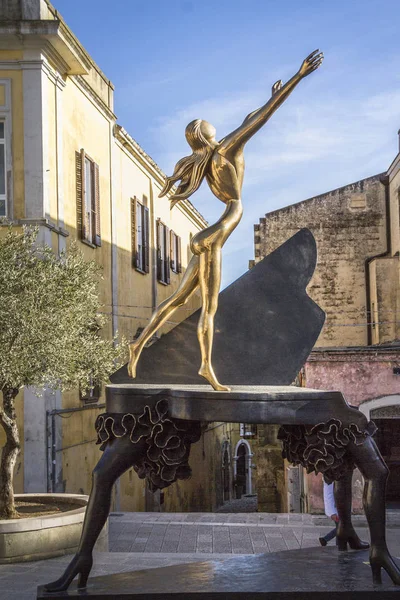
(67, 167)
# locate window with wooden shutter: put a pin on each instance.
(133, 233)
(158, 243)
(167, 273)
(175, 250)
(163, 255)
(88, 198)
(3, 171)
(179, 252)
(140, 236)
(247, 430)
(146, 239)
(87, 202)
(172, 246)
(79, 194)
(97, 231)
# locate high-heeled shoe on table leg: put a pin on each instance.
(348, 536)
(353, 541)
(80, 565)
(382, 560)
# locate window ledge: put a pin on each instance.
(63, 232)
(90, 244)
(162, 282)
(88, 401)
(40, 223)
(141, 271)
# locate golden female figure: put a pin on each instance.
(222, 165)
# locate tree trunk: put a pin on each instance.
(9, 454)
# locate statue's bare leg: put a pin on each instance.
(118, 457)
(375, 472)
(210, 282)
(345, 532)
(189, 283)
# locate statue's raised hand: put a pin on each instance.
(276, 87)
(312, 62)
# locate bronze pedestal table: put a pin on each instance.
(151, 429)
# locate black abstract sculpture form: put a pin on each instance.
(265, 327)
(150, 425)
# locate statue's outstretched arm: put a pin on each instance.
(255, 120)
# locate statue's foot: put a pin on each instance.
(381, 559)
(80, 565)
(208, 373)
(133, 357)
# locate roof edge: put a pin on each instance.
(318, 196)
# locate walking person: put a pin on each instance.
(330, 511)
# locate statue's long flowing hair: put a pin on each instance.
(190, 170)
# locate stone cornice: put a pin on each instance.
(55, 76)
(394, 167)
(387, 352)
(73, 40)
(86, 88)
(137, 151)
(319, 196)
(65, 46)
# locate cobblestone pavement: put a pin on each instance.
(149, 540)
(233, 533)
(244, 505)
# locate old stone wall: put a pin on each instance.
(349, 225)
(356, 282)
(15, 10)
(271, 490)
(384, 286)
(363, 374)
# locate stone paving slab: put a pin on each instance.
(235, 534)
(19, 582)
(281, 519)
(256, 519)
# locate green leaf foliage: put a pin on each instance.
(51, 320)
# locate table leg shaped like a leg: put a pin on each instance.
(346, 534)
(118, 457)
(375, 472)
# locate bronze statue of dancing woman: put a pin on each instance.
(222, 165)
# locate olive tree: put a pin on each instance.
(50, 332)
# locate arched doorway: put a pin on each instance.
(226, 472)
(242, 466)
(385, 412)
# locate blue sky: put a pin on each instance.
(172, 61)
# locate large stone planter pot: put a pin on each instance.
(47, 536)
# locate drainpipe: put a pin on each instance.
(113, 225)
(384, 179)
(51, 455)
(154, 299)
